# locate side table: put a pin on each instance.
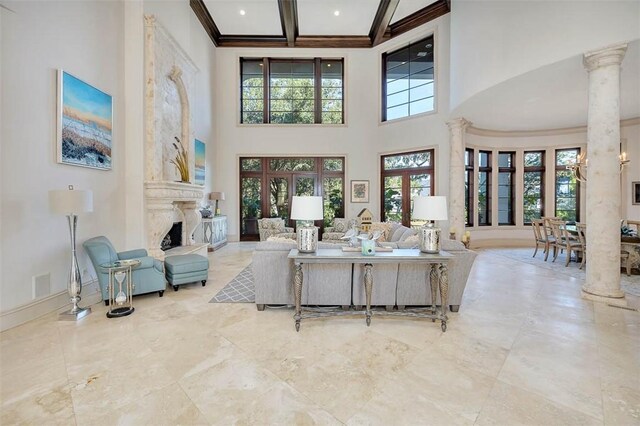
(120, 303)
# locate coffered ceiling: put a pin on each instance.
(312, 23)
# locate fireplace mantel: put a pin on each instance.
(173, 191)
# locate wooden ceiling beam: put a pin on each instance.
(345, 42)
(385, 12)
(206, 20)
(289, 20)
(424, 15)
(252, 41)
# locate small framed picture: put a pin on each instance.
(359, 191)
(635, 192)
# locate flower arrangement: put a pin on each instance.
(181, 161)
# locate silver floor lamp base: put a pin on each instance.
(75, 282)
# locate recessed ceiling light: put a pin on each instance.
(242, 12)
(336, 13)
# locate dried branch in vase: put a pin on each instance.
(181, 161)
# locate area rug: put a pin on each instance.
(628, 284)
(239, 290)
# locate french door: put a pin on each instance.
(405, 176)
(267, 185)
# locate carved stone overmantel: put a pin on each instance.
(169, 85)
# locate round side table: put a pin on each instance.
(120, 301)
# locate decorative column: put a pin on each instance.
(457, 129)
(603, 174)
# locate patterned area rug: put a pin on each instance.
(238, 290)
(628, 284)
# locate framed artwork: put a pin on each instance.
(635, 192)
(200, 163)
(359, 191)
(85, 120)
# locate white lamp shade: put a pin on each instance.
(217, 196)
(430, 208)
(70, 201)
(306, 208)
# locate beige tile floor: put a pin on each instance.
(524, 349)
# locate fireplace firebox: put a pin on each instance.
(173, 237)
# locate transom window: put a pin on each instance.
(298, 91)
(408, 80)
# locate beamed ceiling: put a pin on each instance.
(312, 23)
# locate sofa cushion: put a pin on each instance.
(384, 227)
(276, 224)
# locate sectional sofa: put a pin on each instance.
(341, 284)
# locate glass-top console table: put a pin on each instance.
(438, 279)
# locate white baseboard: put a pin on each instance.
(52, 303)
(499, 243)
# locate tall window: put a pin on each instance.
(297, 91)
(567, 187)
(405, 176)
(506, 196)
(267, 185)
(468, 186)
(408, 80)
(533, 192)
(484, 188)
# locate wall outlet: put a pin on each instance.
(41, 285)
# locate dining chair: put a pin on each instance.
(582, 237)
(537, 225)
(626, 259)
(571, 244)
(547, 233)
(634, 224)
(557, 243)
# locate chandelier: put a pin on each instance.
(579, 168)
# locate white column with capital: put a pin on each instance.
(603, 174)
(457, 129)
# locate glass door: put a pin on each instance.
(279, 197)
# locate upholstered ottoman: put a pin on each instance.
(186, 268)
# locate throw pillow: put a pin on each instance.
(407, 233)
(397, 234)
(414, 239)
(340, 225)
(383, 227)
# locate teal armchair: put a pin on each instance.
(147, 278)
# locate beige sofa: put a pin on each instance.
(341, 284)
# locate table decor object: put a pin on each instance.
(307, 209)
(430, 209)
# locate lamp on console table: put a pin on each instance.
(308, 209)
(430, 209)
(217, 196)
(70, 202)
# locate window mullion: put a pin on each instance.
(266, 92)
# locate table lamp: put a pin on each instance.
(217, 196)
(70, 202)
(308, 209)
(430, 209)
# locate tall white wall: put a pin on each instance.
(361, 139)
(494, 40)
(37, 39)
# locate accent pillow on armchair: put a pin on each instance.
(272, 227)
(147, 278)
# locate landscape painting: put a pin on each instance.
(84, 123)
(200, 164)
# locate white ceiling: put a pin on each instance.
(551, 97)
(262, 17)
(407, 7)
(316, 17)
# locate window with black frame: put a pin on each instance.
(292, 91)
(533, 189)
(506, 196)
(567, 187)
(468, 186)
(408, 80)
(484, 188)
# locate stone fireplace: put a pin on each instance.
(173, 238)
(169, 79)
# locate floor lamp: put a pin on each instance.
(70, 202)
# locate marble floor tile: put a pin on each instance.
(525, 348)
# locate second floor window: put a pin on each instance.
(292, 91)
(408, 80)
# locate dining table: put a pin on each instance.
(628, 243)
